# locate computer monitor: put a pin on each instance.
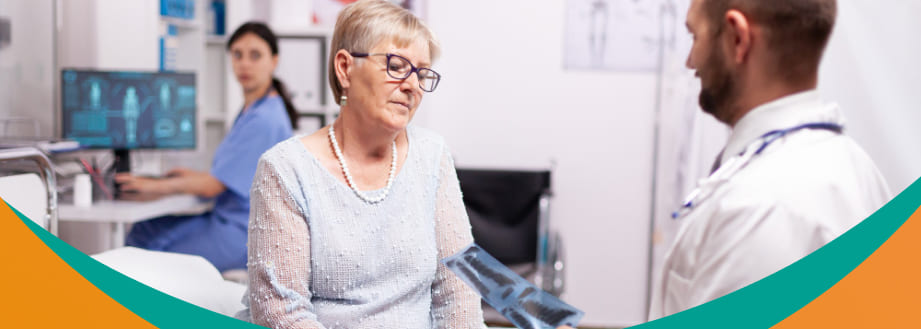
(127, 110)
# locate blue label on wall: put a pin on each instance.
(178, 8)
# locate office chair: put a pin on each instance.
(509, 213)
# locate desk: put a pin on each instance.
(120, 213)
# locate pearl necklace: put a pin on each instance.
(348, 175)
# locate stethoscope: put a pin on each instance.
(707, 185)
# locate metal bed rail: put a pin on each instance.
(46, 172)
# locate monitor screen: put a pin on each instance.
(128, 110)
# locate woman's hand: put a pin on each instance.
(182, 172)
(129, 183)
(177, 181)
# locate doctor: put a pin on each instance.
(788, 181)
(267, 118)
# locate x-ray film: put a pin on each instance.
(522, 303)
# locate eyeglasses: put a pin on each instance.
(398, 67)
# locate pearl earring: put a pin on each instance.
(343, 100)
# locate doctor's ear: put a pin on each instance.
(343, 63)
(740, 31)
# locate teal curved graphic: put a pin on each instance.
(759, 305)
(774, 298)
(160, 309)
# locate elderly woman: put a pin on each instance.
(348, 224)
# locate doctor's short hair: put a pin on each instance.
(365, 23)
(796, 31)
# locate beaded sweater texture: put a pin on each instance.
(321, 257)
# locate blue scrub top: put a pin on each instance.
(255, 130)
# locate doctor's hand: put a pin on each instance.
(564, 327)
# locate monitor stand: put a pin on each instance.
(122, 160)
(122, 165)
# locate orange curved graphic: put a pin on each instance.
(41, 291)
(883, 292)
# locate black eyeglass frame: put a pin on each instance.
(413, 69)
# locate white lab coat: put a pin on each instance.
(801, 192)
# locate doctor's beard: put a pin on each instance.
(719, 90)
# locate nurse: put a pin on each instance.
(267, 118)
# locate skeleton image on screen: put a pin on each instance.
(95, 95)
(131, 111)
(127, 110)
(520, 301)
(164, 97)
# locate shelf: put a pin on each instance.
(189, 24)
(214, 118)
(215, 40)
(311, 114)
(313, 111)
(305, 31)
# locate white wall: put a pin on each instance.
(109, 34)
(27, 70)
(872, 68)
(76, 42)
(127, 35)
(505, 101)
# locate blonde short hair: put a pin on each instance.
(365, 23)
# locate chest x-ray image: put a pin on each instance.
(521, 302)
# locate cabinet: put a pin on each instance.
(182, 37)
(302, 68)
